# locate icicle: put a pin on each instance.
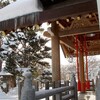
(15, 23)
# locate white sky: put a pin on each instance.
(63, 60)
(97, 57)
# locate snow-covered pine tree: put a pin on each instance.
(25, 49)
(11, 67)
(4, 3)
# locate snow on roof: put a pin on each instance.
(23, 69)
(20, 8)
(3, 73)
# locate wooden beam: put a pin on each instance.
(94, 48)
(72, 9)
(96, 36)
(67, 9)
(60, 24)
(67, 43)
(79, 31)
(94, 53)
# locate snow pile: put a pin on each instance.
(23, 69)
(3, 73)
(13, 93)
(4, 96)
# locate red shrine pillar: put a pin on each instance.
(77, 63)
(87, 79)
(86, 53)
(81, 66)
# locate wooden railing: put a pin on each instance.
(97, 87)
(29, 93)
(92, 85)
(58, 91)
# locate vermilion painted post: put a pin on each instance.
(77, 64)
(86, 53)
(81, 66)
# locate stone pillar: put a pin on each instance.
(81, 69)
(55, 56)
(28, 91)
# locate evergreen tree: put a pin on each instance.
(30, 54)
(4, 3)
(11, 64)
(24, 48)
(11, 67)
(46, 76)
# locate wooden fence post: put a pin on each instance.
(67, 84)
(20, 84)
(53, 86)
(93, 85)
(58, 96)
(19, 90)
(47, 88)
(96, 80)
(28, 92)
(74, 83)
(97, 88)
(36, 84)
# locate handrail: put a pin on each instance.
(69, 96)
(29, 93)
(47, 93)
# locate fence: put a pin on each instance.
(29, 92)
(47, 85)
(98, 87)
(92, 85)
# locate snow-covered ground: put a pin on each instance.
(11, 95)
